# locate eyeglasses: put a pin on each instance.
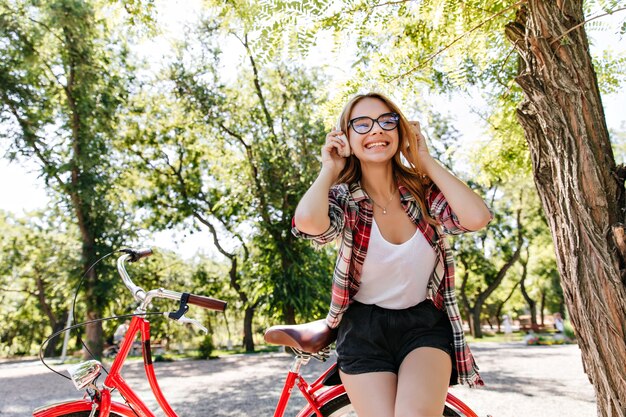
(386, 121)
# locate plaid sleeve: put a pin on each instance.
(441, 211)
(337, 222)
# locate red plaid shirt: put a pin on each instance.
(351, 214)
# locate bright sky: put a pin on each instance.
(22, 190)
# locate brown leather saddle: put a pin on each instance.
(308, 337)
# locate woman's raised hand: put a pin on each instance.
(422, 147)
(335, 151)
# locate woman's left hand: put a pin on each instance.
(422, 147)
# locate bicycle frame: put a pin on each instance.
(114, 380)
(294, 377)
(316, 394)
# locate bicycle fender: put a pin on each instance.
(67, 407)
(323, 398)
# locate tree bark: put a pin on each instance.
(465, 303)
(502, 304)
(542, 307)
(532, 304)
(580, 189)
(248, 342)
(56, 324)
(93, 331)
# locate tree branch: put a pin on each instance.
(31, 138)
(458, 38)
(391, 3)
(260, 191)
(24, 291)
(257, 85)
(177, 172)
(213, 231)
(573, 28)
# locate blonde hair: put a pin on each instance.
(411, 176)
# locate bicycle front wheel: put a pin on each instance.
(340, 407)
(86, 414)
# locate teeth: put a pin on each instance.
(371, 145)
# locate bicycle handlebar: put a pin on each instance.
(137, 254)
(207, 302)
(133, 255)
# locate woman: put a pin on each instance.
(400, 340)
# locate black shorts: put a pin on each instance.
(374, 339)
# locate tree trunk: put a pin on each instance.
(290, 314)
(248, 342)
(83, 209)
(542, 308)
(501, 306)
(481, 296)
(51, 348)
(475, 320)
(94, 336)
(56, 325)
(577, 181)
(464, 300)
(532, 304)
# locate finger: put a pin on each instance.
(334, 143)
(332, 139)
(337, 138)
(335, 133)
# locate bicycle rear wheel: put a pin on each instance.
(340, 407)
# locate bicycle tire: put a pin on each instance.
(86, 414)
(340, 406)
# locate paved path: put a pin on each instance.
(538, 381)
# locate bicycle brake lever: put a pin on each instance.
(193, 322)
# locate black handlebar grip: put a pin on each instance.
(207, 302)
(137, 254)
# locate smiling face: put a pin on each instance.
(377, 145)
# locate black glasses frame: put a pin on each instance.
(396, 116)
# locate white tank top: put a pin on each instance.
(396, 276)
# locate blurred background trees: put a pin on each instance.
(218, 134)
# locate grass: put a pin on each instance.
(240, 350)
(542, 338)
(497, 337)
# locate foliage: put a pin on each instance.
(228, 153)
(206, 347)
(39, 268)
(446, 46)
(618, 142)
(63, 79)
(236, 156)
(569, 330)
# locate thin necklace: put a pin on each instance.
(388, 201)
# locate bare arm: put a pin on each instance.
(311, 215)
(312, 212)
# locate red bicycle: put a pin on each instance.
(324, 399)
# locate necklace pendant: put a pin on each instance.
(384, 211)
